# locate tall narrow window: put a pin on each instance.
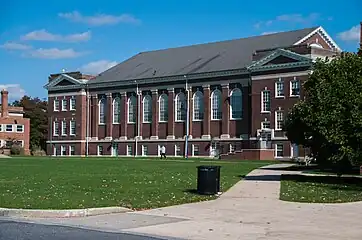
(64, 105)
(265, 97)
(56, 129)
(64, 128)
(236, 104)
(180, 110)
(72, 104)
(72, 128)
(279, 118)
(216, 105)
(71, 150)
(279, 150)
(147, 109)
(163, 108)
(265, 124)
(294, 87)
(132, 109)
(198, 99)
(279, 88)
(56, 105)
(101, 111)
(116, 110)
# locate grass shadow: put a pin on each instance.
(260, 177)
(192, 191)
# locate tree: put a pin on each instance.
(329, 120)
(36, 110)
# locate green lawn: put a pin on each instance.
(320, 189)
(64, 183)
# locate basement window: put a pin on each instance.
(20, 128)
(9, 128)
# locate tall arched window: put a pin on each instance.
(147, 109)
(132, 109)
(236, 104)
(180, 109)
(163, 108)
(216, 105)
(198, 108)
(101, 111)
(116, 110)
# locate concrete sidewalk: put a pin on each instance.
(249, 210)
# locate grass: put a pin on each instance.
(66, 183)
(320, 189)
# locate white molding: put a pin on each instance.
(327, 37)
(225, 136)
(281, 75)
(275, 150)
(67, 94)
(67, 141)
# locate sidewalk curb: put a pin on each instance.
(66, 213)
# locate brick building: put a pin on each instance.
(226, 97)
(14, 128)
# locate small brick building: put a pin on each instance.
(227, 98)
(14, 128)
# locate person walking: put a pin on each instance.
(163, 152)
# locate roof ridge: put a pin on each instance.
(229, 40)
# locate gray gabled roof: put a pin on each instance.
(209, 57)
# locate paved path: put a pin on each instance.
(249, 210)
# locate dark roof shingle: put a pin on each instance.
(209, 57)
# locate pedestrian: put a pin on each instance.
(163, 152)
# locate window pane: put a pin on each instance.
(236, 104)
(216, 105)
(132, 109)
(181, 107)
(102, 106)
(117, 110)
(266, 100)
(198, 106)
(147, 108)
(163, 105)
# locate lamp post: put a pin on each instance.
(187, 117)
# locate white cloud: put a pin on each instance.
(15, 91)
(43, 35)
(15, 46)
(99, 19)
(97, 66)
(54, 53)
(290, 18)
(352, 34)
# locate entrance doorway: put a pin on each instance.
(114, 150)
(265, 140)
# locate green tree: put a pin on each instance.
(329, 120)
(36, 110)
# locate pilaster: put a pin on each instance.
(124, 111)
(206, 134)
(95, 117)
(171, 114)
(155, 112)
(225, 111)
(109, 119)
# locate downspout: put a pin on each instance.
(87, 122)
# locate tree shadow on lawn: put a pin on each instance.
(347, 182)
(260, 177)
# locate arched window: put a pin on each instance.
(116, 110)
(163, 108)
(132, 109)
(101, 111)
(147, 109)
(198, 107)
(180, 109)
(236, 104)
(216, 105)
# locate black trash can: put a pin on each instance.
(208, 180)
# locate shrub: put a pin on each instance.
(16, 150)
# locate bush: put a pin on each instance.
(16, 150)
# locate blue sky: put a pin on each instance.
(38, 38)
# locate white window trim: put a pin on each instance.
(128, 107)
(143, 108)
(211, 103)
(66, 103)
(70, 104)
(127, 153)
(70, 128)
(99, 111)
(175, 106)
(159, 107)
(262, 102)
(16, 128)
(265, 121)
(193, 149)
(54, 151)
(69, 150)
(143, 150)
(54, 105)
(276, 150)
(12, 127)
(175, 150)
(98, 150)
(54, 134)
(63, 133)
(276, 120)
(202, 110)
(280, 80)
(290, 87)
(113, 115)
(230, 105)
(62, 148)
